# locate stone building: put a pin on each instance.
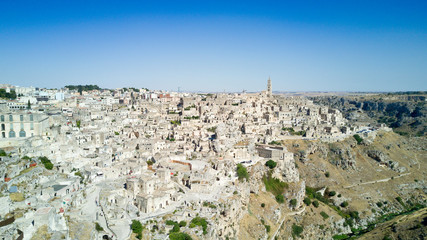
(22, 124)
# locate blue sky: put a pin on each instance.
(216, 45)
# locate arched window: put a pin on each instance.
(3, 127)
(22, 133)
(12, 134)
(11, 118)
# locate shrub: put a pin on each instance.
(280, 198)
(297, 230)
(268, 228)
(26, 158)
(358, 138)
(332, 193)
(198, 221)
(339, 237)
(327, 174)
(262, 205)
(271, 164)
(170, 222)
(2, 153)
(293, 202)
(307, 201)
(98, 227)
(182, 223)
(316, 204)
(344, 204)
(379, 204)
(324, 215)
(137, 228)
(242, 173)
(399, 199)
(274, 185)
(275, 143)
(46, 162)
(175, 228)
(354, 214)
(179, 236)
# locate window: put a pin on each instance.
(10, 118)
(11, 134)
(2, 118)
(3, 134)
(21, 117)
(32, 126)
(11, 126)
(22, 133)
(3, 127)
(31, 117)
(22, 126)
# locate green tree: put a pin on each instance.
(280, 198)
(271, 164)
(98, 227)
(307, 201)
(316, 204)
(242, 172)
(3, 153)
(293, 202)
(137, 228)
(358, 138)
(179, 236)
(29, 105)
(297, 230)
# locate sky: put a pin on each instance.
(215, 46)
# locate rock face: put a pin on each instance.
(342, 157)
(289, 170)
(231, 212)
(382, 158)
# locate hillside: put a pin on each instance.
(364, 185)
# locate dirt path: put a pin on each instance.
(377, 181)
(283, 220)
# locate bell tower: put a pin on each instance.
(269, 91)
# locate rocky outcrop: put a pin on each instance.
(385, 160)
(342, 157)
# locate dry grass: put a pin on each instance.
(17, 197)
(42, 233)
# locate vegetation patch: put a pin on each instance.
(242, 172)
(46, 162)
(274, 185)
(198, 221)
(179, 236)
(98, 227)
(358, 138)
(137, 228)
(271, 164)
(297, 230)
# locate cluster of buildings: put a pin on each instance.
(139, 154)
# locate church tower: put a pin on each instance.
(269, 91)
